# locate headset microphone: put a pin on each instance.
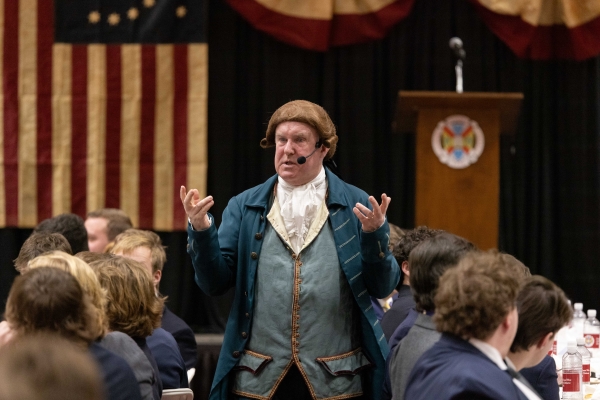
(301, 160)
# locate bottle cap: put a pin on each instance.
(591, 313)
(571, 346)
(578, 306)
(580, 341)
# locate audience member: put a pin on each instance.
(71, 226)
(104, 225)
(450, 249)
(428, 262)
(543, 310)
(115, 342)
(40, 243)
(31, 369)
(403, 301)
(146, 247)
(133, 308)
(89, 257)
(48, 299)
(382, 306)
(475, 309)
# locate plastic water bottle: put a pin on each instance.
(585, 360)
(579, 318)
(591, 333)
(571, 364)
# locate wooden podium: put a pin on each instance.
(463, 201)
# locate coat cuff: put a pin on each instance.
(375, 245)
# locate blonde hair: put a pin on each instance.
(86, 277)
(131, 239)
(132, 307)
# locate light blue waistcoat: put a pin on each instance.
(304, 313)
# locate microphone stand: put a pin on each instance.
(459, 75)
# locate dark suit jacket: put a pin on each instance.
(184, 336)
(157, 387)
(118, 377)
(398, 312)
(171, 367)
(455, 369)
(543, 378)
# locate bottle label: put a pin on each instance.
(571, 382)
(592, 340)
(585, 369)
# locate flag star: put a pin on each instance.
(94, 17)
(114, 19)
(133, 13)
(149, 3)
(181, 11)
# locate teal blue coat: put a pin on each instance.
(229, 258)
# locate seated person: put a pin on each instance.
(146, 247)
(403, 300)
(133, 308)
(428, 261)
(71, 226)
(475, 310)
(543, 310)
(38, 244)
(30, 369)
(88, 280)
(103, 226)
(48, 299)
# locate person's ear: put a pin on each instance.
(543, 342)
(157, 276)
(405, 269)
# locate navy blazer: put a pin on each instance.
(118, 377)
(157, 387)
(403, 303)
(455, 369)
(543, 378)
(184, 336)
(171, 367)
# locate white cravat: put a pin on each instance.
(299, 206)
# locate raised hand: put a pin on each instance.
(195, 208)
(372, 220)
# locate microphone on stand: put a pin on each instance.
(457, 47)
(302, 159)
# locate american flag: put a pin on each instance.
(104, 104)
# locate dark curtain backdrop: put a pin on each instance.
(550, 173)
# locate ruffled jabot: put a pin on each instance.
(299, 206)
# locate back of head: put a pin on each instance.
(476, 296)
(429, 260)
(86, 277)
(39, 243)
(309, 113)
(543, 308)
(117, 221)
(89, 256)
(41, 367)
(131, 239)
(71, 226)
(132, 305)
(47, 299)
(395, 234)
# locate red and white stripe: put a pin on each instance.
(92, 126)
